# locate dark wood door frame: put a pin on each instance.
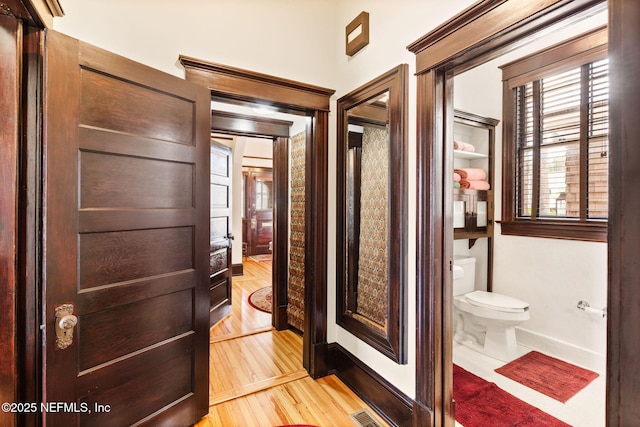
(20, 103)
(10, 48)
(243, 86)
(483, 32)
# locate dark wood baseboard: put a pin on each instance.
(280, 318)
(320, 366)
(237, 269)
(216, 314)
(422, 416)
(389, 402)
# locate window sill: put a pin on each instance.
(566, 230)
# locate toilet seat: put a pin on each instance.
(497, 302)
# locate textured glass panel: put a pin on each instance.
(264, 195)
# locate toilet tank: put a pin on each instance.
(466, 283)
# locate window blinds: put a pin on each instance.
(561, 126)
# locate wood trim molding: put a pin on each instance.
(585, 231)
(43, 11)
(11, 50)
(30, 216)
(449, 27)
(280, 276)
(623, 375)
(314, 356)
(389, 402)
(237, 269)
(391, 342)
(244, 85)
(587, 47)
(240, 124)
(433, 340)
(490, 27)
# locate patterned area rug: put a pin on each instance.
(548, 375)
(480, 403)
(261, 299)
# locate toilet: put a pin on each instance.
(484, 320)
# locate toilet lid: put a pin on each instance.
(496, 301)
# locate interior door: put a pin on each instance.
(220, 266)
(126, 202)
(260, 211)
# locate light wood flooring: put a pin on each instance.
(256, 378)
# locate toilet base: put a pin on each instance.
(491, 338)
(500, 343)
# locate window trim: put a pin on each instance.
(585, 48)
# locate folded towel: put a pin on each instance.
(463, 146)
(456, 177)
(472, 174)
(474, 185)
(456, 185)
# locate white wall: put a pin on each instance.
(285, 38)
(551, 275)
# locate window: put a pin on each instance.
(556, 144)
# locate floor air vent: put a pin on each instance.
(364, 419)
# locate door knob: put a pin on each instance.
(65, 322)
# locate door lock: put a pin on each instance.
(65, 322)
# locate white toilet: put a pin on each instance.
(484, 320)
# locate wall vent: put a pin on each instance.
(364, 418)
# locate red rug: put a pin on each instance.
(480, 403)
(261, 299)
(548, 375)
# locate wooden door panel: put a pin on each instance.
(126, 243)
(220, 233)
(259, 202)
(170, 112)
(159, 378)
(100, 326)
(111, 257)
(159, 183)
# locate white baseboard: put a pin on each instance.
(562, 350)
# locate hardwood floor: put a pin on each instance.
(256, 376)
(245, 319)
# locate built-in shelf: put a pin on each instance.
(473, 209)
(469, 155)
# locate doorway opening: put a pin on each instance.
(461, 49)
(243, 87)
(267, 200)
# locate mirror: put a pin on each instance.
(372, 213)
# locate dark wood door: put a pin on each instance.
(220, 272)
(259, 205)
(126, 202)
